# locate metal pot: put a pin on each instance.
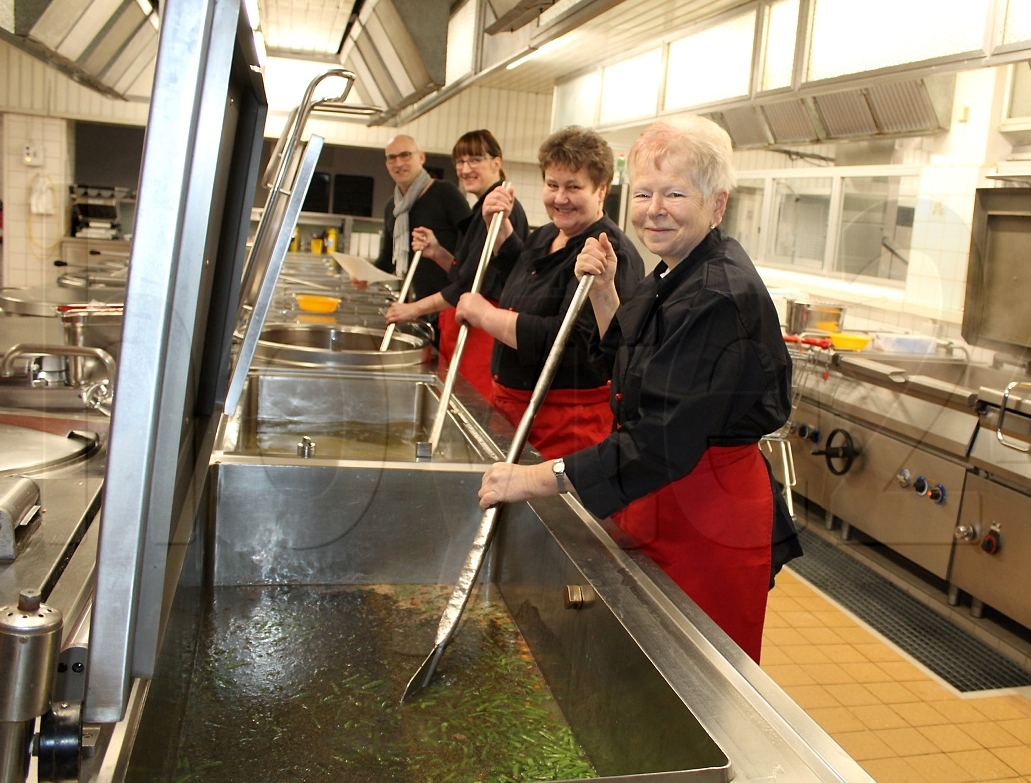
(813, 317)
(342, 345)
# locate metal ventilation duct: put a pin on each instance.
(512, 14)
(107, 45)
(397, 49)
(894, 108)
(790, 122)
(746, 127)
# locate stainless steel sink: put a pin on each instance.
(337, 345)
(346, 415)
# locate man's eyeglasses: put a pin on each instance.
(473, 160)
(404, 157)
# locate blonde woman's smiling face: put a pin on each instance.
(669, 212)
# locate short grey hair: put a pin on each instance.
(702, 144)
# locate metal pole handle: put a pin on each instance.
(402, 295)
(426, 449)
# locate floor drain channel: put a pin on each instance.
(962, 660)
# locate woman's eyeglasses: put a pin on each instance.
(473, 160)
(404, 157)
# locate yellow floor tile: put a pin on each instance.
(773, 655)
(821, 635)
(829, 673)
(852, 694)
(902, 671)
(864, 745)
(834, 618)
(836, 720)
(877, 651)
(845, 654)
(805, 653)
(857, 636)
(892, 692)
(949, 738)
(907, 742)
(918, 714)
(960, 711)
(1016, 758)
(939, 768)
(784, 636)
(879, 716)
(998, 708)
(982, 764)
(774, 620)
(991, 735)
(929, 690)
(869, 672)
(789, 674)
(1021, 729)
(780, 602)
(895, 770)
(809, 696)
(802, 619)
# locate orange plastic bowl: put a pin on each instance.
(311, 303)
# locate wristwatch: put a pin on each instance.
(558, 467)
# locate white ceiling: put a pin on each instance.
(315, 28)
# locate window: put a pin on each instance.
(876, 233)
(744, 215)
(801, 214)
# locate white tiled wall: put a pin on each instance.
(31, 240)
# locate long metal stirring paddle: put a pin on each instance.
(481, 542)
(424, 449)
(401, 296)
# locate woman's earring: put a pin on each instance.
(712, 226)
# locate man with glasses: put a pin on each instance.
(419, 201)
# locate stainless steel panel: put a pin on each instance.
(199, 169)
(869, 498)
(1002, 580)
(995, 312)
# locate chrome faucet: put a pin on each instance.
(15, 352)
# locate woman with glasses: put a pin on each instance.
(577, 167)
(478, 163)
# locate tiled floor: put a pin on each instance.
(899, 721)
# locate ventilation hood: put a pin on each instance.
(881, 110)
(397, 49)
(107, 45)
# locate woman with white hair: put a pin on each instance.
(700, 374)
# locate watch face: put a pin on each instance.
(559, 466)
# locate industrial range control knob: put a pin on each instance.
(845, 453)
(809, 432)
(992, 539)
(904, 478)
(935, 492)
(965, 533)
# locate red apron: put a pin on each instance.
(568, 420)
(476, 356)
(710, 532)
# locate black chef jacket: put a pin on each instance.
(698, 360)
(473, 230)
(539, 286)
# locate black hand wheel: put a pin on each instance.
(846, 452)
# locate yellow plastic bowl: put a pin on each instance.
(317, 304)
(850, 342)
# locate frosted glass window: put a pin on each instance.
(779, 44)
(461, 43)
(851, 38)
(711, 65)
(576, 101)
(1018, 22)
(801, 219)
(876, 234)
(743, 217)
(630, 89)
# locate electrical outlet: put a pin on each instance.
(32, 155)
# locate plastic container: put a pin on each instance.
(916, 344)
(845, 341)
